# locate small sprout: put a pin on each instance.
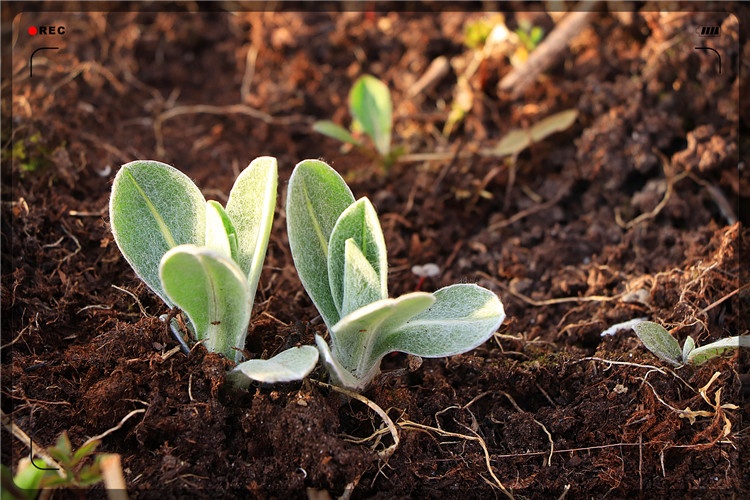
(515, 141)
(429, 270)
(194, 254)
(339, 252)
(486, 30)
(71, 470)
(529, 37)
(658, 340)
(372, 114)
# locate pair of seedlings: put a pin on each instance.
(206, 259)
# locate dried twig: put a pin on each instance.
(114, 481)
(115, 428)
(232, 109)
(383, 454)
(29, 443)
(408, 424)
(549, 50)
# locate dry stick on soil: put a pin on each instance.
(549, 436)
(383, 454)
(671, 181)
(29, 443)
(549, 50)
(140, 306)
(115, 428)
(114, 481)
(530, 211)
(711, 306)
(549, 302)
(663, 371)
(408, 424)
(236, 109)
(247, 78)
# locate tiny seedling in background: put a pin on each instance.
(529, 37)
(658, 340)
(372, 114)
(74, 472)
(339, 252)
(516, 140)
(197, 255)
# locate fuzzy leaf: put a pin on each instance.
(290, 365)
(220, 233)
(154, 207)
(658, 340)
(355, 336)
(251, 205)
(213, 292)
(358, 222)
(339, 374)
(316, 197)
(331, 129)
(361, 284)
(687, 348)
(462, 317)
(700, 355)
(370, 105)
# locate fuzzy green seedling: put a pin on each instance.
(371, 108)
(196, 254)
(339, 251)
(657, 339)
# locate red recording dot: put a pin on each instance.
(32, 30)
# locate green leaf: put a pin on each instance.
(463, 317)
(251, 205)
(85, 450)
(354, 337)
(331, 129)
(553, 124)
(658, 340)
(687, 348)
(26, 482)
(90, 475)
(339, 374)
(516, 140)
(62, 451)
(316, 197)
(154, 207)
(213, 292)
(290, 365)
(220, 233)
(700, 355)
(358, 222)
(361, 285)
(370, 105)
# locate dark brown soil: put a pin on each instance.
(635, 211)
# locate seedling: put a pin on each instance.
(372, 114)
(658, 340)
(74, 472)
(517, 140)
(339, 252)
(195, 254)
(529, 37)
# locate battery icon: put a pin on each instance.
(709, 30)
